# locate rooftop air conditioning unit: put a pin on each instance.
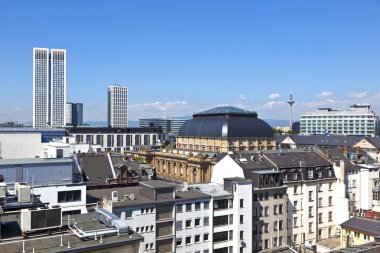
(115, 196)
(3, 190)
(40, 219)
(23, 192)
(132, 196)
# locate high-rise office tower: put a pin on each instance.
(117, 106)
(74, 114)
(49, 87)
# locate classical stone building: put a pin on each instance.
(208, 134)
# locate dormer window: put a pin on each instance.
(310, 173)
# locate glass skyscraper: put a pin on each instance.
(49, 87)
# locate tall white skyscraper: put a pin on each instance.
(49, 87)
(117, 106)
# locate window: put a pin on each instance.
(188, 207)
(310, 173)
(295, 175)
(281, 225)
(280, 209)
(206, 205)
(275, 225)
(330, 216)
(266, 226)
(280, 241)
(295, 205)
(295, 219)
(241, 219)
(295, 189)
(69, 196)
(205, 237)
(241, 235)
(295, 237)
(319, 187)
(310, 227)
(266, 211)
(178, 225)
(319, 173)
(330, 200)
(188, 240)
(320, 202)
(197, 222)
(152, 228)
(179, 242)
(241, 203)
(320, 218)
(266, 195)
(179, 208)
(188, 223)
(275, 209)
(330, 232)
(310, 211)
(197, 206)
(197, 238)
(329, 172)
(330, 186)
(205, 221)
(142, 210)
(310, 196)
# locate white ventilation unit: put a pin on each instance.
(132, 196)
(115, 196)
(3, 190)
(23, 192)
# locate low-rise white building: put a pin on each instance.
(55, 180)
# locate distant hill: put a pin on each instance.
(100, 123)
(277, 122)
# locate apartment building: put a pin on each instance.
(269, 198)
(309, 179)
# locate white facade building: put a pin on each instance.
(117, 106)
(49, 87)
(117, 139)
(359, 120)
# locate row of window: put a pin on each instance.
(261, 196)
(189, 223)
(264, 211)
(145, 229)
(191, 239)
(189, 207)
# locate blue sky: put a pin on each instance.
(182, 57)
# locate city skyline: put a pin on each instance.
(181, 58)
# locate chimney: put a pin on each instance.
(345, 151)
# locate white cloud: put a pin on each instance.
(324, 94)
(242, 97)
(161, 106)
(274, 96)
(357, 94)
(273, 104)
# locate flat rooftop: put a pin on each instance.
(52, 243)
(213, 189)
(35, 161)
(97, 196)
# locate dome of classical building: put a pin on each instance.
(226, 122)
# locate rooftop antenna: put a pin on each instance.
(291, 102)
